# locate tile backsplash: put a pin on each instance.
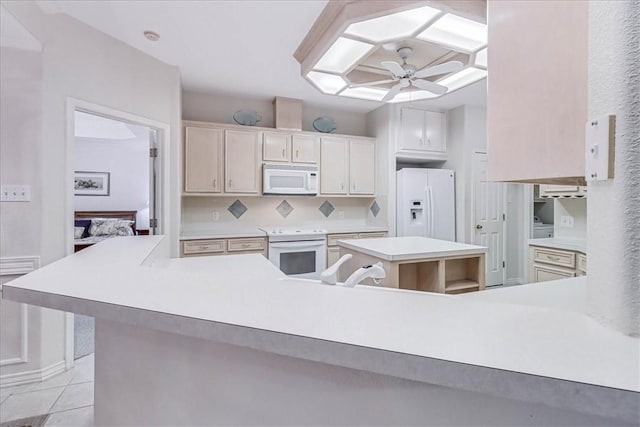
(199, 212)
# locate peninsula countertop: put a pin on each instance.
(579, 245)
(410, 248)
(518, 351)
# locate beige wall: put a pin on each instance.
(220, 108)
(576, 208)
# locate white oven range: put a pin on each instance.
(298, 252)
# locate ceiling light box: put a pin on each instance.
(385, 50)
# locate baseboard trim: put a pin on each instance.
(514, 281)
(36, 375)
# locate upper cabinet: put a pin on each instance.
(304, 149)
(276, 147)
(422, 132)
(572, 191)
(537, 91)
(242, 161)
(347, 166)
(203, 160)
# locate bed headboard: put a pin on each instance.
(130, 215)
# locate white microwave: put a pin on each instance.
(289, 179)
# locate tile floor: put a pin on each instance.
(68, 397)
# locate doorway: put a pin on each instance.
(488, 218)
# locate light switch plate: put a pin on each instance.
(600, 148)
(15, 193)
(566, 221)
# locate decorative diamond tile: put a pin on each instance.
(237, 209)
(284, 209)
(375, 209)
(326, 208)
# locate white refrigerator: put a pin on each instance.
(425, 203)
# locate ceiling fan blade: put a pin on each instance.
(447, 67)
(395, 90)
(394, 68)
(432, 87)
(379, 82)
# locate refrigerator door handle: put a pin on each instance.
(431, 211)
(427, 212)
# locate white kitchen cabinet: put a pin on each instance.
(543, 273)
(242, 161)
(304, 148)
(334, 165)
(203, 160)
(553, 263)
(333, 255)
(276, 147)
(421, 130)
(562, 191)
(362, 160)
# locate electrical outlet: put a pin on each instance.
(566, 221)
(341, 214)
(216, 215)
(15, 193)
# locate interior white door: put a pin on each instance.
(489, 215)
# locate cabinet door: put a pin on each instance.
(411, 129)
(275, 147)
(542, 273)
(334, 167)
(202, 160)
(333, 255)
(242, 161)
(304, 149)
(362, 161)
(435, 131)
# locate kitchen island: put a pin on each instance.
(419, 263)
(223, 340)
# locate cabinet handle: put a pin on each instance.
(230, 183)
(553, 258)
(215, 183)
(354, 185)
(342, 185)
(284, 152)
(203, 248)
(245, 245)
(297, 154)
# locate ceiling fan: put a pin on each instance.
(406, 75)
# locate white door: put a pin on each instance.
(489, 215)
(411, 129)
(362, 159)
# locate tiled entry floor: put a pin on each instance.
(68, 397)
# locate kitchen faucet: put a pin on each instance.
(375, 271)
(330, 275)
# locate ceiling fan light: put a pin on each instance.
(370, 93)
(456, 32)
(342, 54)
(481, 58)
(396, 25)
(463, 78)
(327, 83)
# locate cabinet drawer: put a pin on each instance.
(371, 235)
(202, 246)
(332, 239)
(542, 273)
(582, 263)
(554, 257)
(239, 245)
(333, 255)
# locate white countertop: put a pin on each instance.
(579, 245)
(132, 278)
(410, 248)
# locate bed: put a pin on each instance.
(100, 225)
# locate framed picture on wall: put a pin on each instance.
(91, 183)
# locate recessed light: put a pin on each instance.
(153, 36)
(342, 54)
(328, 83)
(456, 32)
(401, 24)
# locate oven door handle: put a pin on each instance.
(297, 245)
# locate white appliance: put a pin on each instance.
(425, 203)
(289, 179)
(298, 252)
(541, 230)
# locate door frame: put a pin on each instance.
(472, 215)
(163, 183)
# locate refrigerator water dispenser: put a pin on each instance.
(416, 211)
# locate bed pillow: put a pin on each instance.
(111, 227)
(78, 232)
(85, 223)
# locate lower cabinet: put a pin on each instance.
(554, 264)
(333, 250)
(208, 247)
